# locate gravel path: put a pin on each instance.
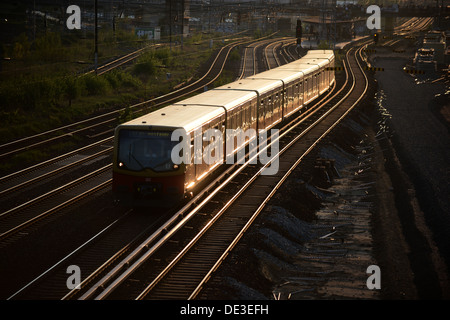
(422, 142)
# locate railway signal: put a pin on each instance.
(414, 71)
(375, 38)
(373, 69)
(298, 32)
(334, 68)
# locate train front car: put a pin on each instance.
(151, 170)
(143, 171)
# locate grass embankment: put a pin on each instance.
(41, 86)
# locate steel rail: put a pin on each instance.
(52, 193)
(131, 269)
(176, 260)
(253, 46)
(54, 172)
(65, 187)
(68, 256)
(195, 293)
(82, 122)
(51, 161)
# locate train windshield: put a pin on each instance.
(140, 150)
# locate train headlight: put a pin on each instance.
(121, 164)
(175, 167)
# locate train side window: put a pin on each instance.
(239, 118)
(192, 151)
(262, 110)
(247, 115)
(233, 120)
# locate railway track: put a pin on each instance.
(240, 212)
(111, 65)
(100, 126)
(253, 53)
(272, 57)
(104, 124)
(209, 230)
(15, 185)
(6, 191)
(19, 213)
(17, 219)
(22, 194)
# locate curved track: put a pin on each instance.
(209, 230)
(19, 216)
(171, 232)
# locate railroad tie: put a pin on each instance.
(414, 71)
(334, 68)
(374, 69)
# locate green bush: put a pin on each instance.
(31, 93)
(95, 85)
(72, 88)
(164, 55)
(235, 55)
(146, 65)
(112, 78)
(49, 48)
(127, 80)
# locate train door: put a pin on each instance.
(213, 144)
(246, 116)
(261, 113)
(230, 139)
(269, 110)
(285, 101)
(290, 98)
(320, 81)
(197, 152)
(253, 113)
(301, 96)
(278, 105)
(316, 85)
(306, 90)
(295, 96)
(190, 167)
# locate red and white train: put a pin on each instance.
(143, 171)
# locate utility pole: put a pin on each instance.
(95, 37)
(34, 21)
(170, 24)
(182, 23)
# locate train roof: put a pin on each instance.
(219, 98)
(177, 116)
(300, 66)
(208, 105)
(315, 61)
(260, 85)
(319, 54)
(303, 66)
(283, 74)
